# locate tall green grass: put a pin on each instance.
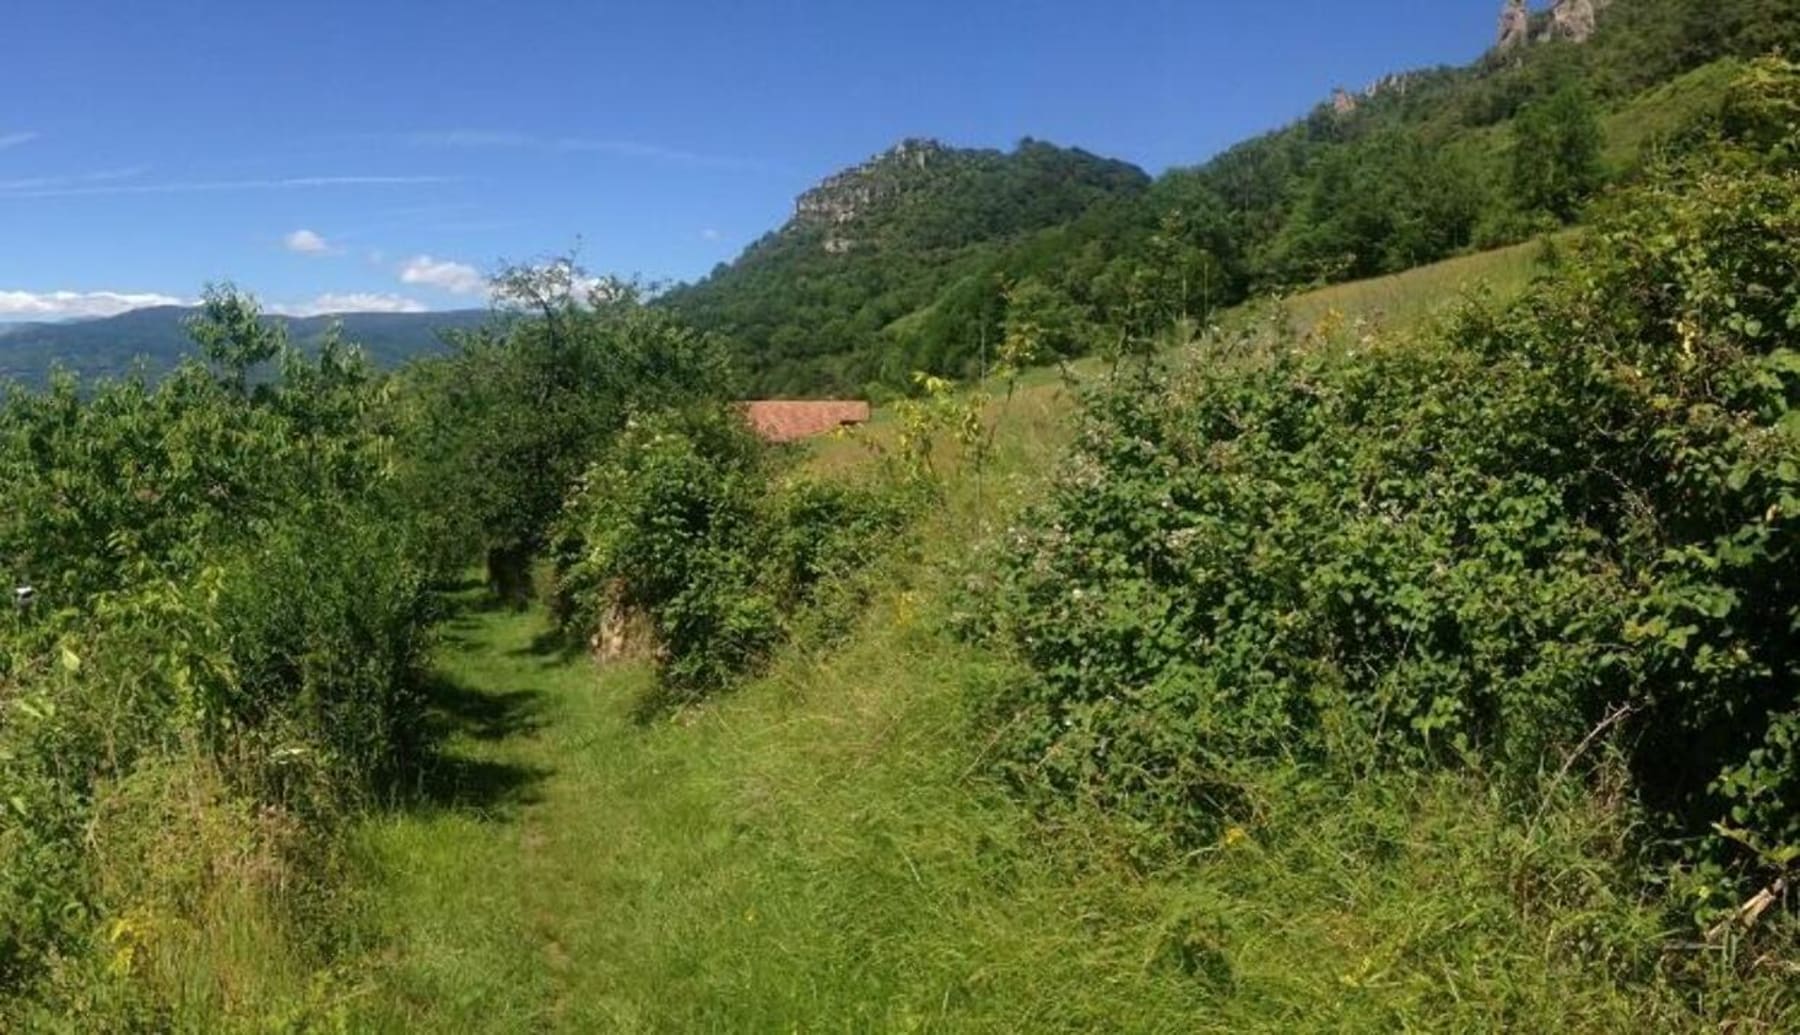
(823, 849)
(1634, 131)
(1403, 301)
(822, 852)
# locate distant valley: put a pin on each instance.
(157, 338)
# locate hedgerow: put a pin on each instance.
(1477, 549)
(690, 523)
(228, 587)
(220, 658)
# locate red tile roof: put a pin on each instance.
(787, 421)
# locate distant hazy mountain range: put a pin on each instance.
(157, 338)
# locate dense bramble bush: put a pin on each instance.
(228, 610)
(1470, 549)
(689, 523)
(233, 575)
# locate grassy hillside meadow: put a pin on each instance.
(1412, 652)
(1035, 421)
(823, 850)
(1425, 165)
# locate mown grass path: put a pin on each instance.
(478, 890)
(808, 854)
(564, 867)
(817, 852)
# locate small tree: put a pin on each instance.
(1556, 153)
(505, 426)
(1183, 278)
(1041, 324)
(233, 336)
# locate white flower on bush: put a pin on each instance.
(1182, 539)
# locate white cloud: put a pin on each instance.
(15, 139)
(353, 302)
(216, 186)
(42, 183)
(64, 305)
(110, 175)
(455, 277)
(632, 149)
(306, 242)
(709, 234)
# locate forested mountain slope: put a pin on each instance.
(885, 239)
(914, 261)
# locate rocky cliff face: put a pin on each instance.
(844, 197)
(1574, 20)
(1515, 25)
(1346, 103)
(1571, 20)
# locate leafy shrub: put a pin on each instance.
(327, 619)
(230, 621)
(1470, 549)
(685, 523)
(494, 436)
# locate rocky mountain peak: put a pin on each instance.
(1346, 102)
(847, 196)
(1574, 20)
(1515, 25)
(1571, 20)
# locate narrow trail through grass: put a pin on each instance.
(816, 853)
(459, 882)
(481, 892)
(823, 849)
(807, 855)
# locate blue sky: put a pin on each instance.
(336, 155)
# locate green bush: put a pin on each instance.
(493, 437)
(1467, 550)
(687, 524)
(327, 620)
(230, 624)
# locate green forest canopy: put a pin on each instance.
(1427, 165)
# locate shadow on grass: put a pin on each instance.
(471, 597)
(554, 645)
(483, 715)
(449, 782)
(658, 702)
(451, 776)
